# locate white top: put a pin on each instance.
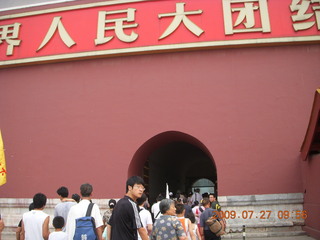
(58, 236)
(79, 210)
(33, 223)
(155, 209)
(197, 213)
(145, 217)
(62, 209)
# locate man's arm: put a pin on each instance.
(143, 233)
(193, 237)
(202, 233)
(45, 228)
(22, 231)
(99, 232)
(149, 228)
(109, 232)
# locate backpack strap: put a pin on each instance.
(89, 210)
(201, 210)
(157, 214)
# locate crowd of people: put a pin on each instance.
(174, 218)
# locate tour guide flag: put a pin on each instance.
(3, 172)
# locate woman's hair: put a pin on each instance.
(112, 203)
(165, 205)
(191, 216)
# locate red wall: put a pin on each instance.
(83, 121)
(311, 180)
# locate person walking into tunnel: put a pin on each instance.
(155, 209)
(167, 226)
(187, 208)
(197, 210)
(125, 222)
(196, 196)
(208, 213)
(194, 226)
(185, 222)
(145, 215)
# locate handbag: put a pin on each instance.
(215, 226)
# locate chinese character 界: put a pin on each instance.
(57, 25)
(181, 16)
(118, 27)
(316, 9)
(9, 33)
(246, 16)
(301, 8)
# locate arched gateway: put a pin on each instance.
(175, 158)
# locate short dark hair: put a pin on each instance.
(76, 197)
(31, 206)
(134, 180)
(63, 192)
(58, 222)
(112, 203)
(205, 201)
(86, 190)
(159, 197)
(39, 200)
(179, 208)
(142, 199)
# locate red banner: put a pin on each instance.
(137, 26)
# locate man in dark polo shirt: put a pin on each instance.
(208, 212)
(125, 222)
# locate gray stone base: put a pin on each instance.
(268, 215)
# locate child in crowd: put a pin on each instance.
(194, 226)
(58, 234)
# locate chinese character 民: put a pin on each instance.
(118, 27)
(246, 15)
(9, 33)
(301, 21)
(57, 25)
(181, 16)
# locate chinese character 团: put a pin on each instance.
(300, 19)
(57, 24)
(9, 33)
(118, 27)
(246, 15)
(181, 16)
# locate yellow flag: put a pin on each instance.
(3, 170)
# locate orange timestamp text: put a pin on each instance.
(264, 214)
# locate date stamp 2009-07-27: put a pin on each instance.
(264, 214)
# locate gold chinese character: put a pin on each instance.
(9, 33)
(181, 16)
(118, 27)
(57, 25)
(246, 16)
